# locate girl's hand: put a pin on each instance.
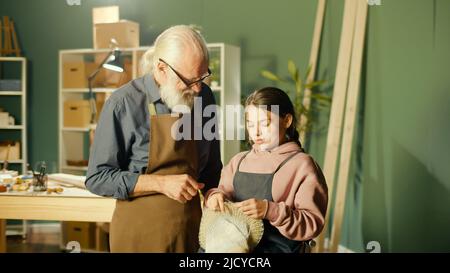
(215, 202)
(254, 208)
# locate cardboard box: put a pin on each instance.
(126, 33)
(102, 236)
(75, 74)
(77, 163)
(82, 232)
(4, 119)
(113, 79)
(14, 150)
(108, 14)
(77, 113)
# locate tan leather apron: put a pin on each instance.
(157, 223)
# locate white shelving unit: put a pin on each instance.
(22, 127)
(228, 89)
(73, 140)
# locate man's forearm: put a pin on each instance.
(147, 184)
(110, 182)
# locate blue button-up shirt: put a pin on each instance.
(120, 150)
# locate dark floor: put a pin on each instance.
(34, 243)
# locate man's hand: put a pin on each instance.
(181, 188)
(254, 208)
(215, 202)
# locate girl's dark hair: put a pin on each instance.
(271, 96)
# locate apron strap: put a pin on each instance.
(242, 158)
(152, 109)
(286, 160)
(279, 166)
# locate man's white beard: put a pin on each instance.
(175, 99)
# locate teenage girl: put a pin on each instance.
(275, 181)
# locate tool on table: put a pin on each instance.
(55, 190)
(40, 180)
(42, 171)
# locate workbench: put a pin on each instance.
(73, 204)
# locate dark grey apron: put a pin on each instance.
(259, 186)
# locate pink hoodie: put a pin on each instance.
(299, 189)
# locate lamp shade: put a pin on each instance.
(113, 62)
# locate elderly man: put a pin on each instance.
(136, 159)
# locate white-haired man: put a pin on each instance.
(135, 159)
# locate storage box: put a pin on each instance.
(126, 33)
(81, 232)
(10, 85)
(75, 74)
(77, 163)
(77, 113)
(108, 14)
(14, 150)
(4, 119)
(113, 79)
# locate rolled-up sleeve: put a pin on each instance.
(108, 173)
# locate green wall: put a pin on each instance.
(406, 128)
(400, 183)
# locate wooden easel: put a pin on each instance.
(8, 32)
(346, 91)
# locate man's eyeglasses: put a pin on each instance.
(188, 83)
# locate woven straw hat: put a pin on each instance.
(230, 231)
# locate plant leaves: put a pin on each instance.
(298, 87)
(323, 98)
(294, 86)
(270, 76)
(314, 84)
(293, 71)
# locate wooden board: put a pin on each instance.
(102, 15)
(1, 38)
(57, 208)
(349, 124)
(16, 46)
(7, 35)
(337, 108)
(315, 46)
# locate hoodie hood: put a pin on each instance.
(287, 147)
